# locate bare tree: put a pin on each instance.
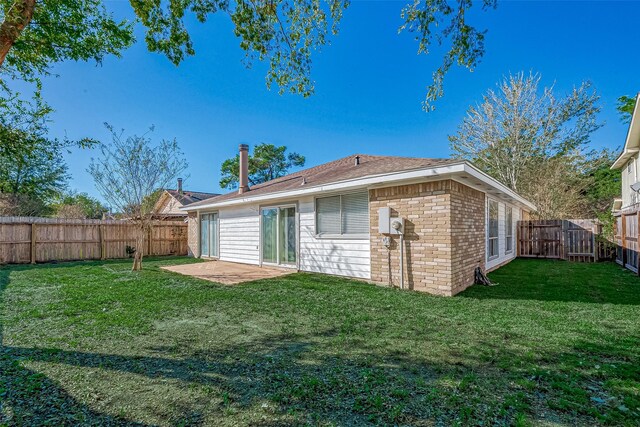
(556, 186)
(517, 125)
(129, 173)
(533, 141)
(12, 204)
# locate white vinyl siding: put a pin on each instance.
(503, 255)
(344, 215)
(240, 235)
(341, 256)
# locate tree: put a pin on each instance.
(604, 186)
(34, 34)
(533, 141)
(22, 205)
(32, 167)
(132, 169)
(79, 205)
(625, 107)
(266, 163)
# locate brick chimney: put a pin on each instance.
(243, 178)
(179, 185)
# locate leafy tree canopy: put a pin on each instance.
(33, 166)
(266, 163)
(605, 184)
(34, 34)
(625, 107)
(31, 163)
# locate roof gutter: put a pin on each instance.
(373, 180)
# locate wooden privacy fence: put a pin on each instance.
(568, 239)
(31, 239)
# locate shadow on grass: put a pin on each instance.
(294, 378)
(30, 398)
(298, 377)
(562, 281)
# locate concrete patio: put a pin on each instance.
(228, 273)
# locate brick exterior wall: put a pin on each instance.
(468, 238)
(192, 237)
(444, 236)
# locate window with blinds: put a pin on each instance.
(344, 215)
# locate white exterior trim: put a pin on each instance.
(503, 255)
(632, 143)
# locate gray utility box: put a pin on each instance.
(386, 222)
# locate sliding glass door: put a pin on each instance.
(209, 235)
(279, 242)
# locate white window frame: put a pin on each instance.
(508, 231)
(497, 237)
(217, 237)
(318, 235)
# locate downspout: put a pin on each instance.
(402, 261)
(398, 226)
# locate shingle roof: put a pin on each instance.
(336, 171)
(189, 197)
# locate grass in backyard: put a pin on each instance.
(93, 343)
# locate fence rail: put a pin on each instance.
(569, 239)
(32, 239)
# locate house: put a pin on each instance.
(170, 202)
(421, 224)
(626, 209)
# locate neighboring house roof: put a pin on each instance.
(188, 197)
(632, 143)
(345, 173)
(171, 201)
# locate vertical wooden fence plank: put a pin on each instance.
(31, 239)
(33, 243)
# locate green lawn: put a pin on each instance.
(92, 343)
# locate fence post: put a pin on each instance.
(102, 245)
(150, 235)
(563, 239)
(33, 243)
(596, 242)
(638, 243)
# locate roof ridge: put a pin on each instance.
(190, 191)
(301, 172)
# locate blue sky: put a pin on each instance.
(369, 86)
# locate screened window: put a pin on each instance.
(347, 214)
(492, 236)
(508, 225)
